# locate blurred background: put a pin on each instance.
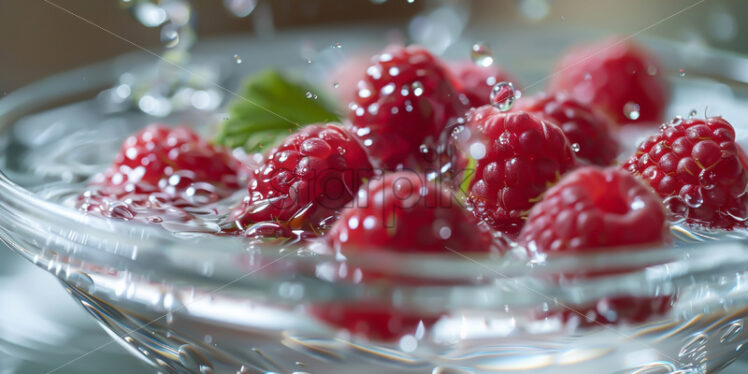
(43, 37)
(38, 39)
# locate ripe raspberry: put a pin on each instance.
(518, 155)
(305, 180)
(588, 128)
(616, 75)
(475, 82)
(405, 100)
(399, 213)
(404, 213)
(163, 165)
(697, 161)
(592, 208)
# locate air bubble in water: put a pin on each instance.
(731, 331)
(481, 54)
(237, 59)
(677, 209)
(693, 198)
(240, 8)
(575, 147)
(503, 96)
(631, 110)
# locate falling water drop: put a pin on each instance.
(237, 59)
(240, 8)
(682, 72)
(481, 54)
(575, 147)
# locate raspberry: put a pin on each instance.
(592, 208)
(307, 179)
(399, 213)
(519, 156)
(616, 75)
(404, 213)
(403, 104)
(162, 165)
(697, 162)
(590, 129)
(475, 82)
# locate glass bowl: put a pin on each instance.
(192, 302)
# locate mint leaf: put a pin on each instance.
(270, 107)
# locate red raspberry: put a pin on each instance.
(404, 101)
(590, 129)
(519, 155)
(400, 213)
(616, 75)
(592, 208)
(305, 180)
(404, 213)
(697, 161)
(476, 82)
(163, 165)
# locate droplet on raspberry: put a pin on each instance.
(503, 96)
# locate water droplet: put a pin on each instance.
(682, 72)
(170, 36)
(149, 14)
(411, 1)
(676, 208)
(417, 88)
(81, 280)
(477, 150)
(337, 46)
(191, 358)
(310, 95)
(575, 147)
(731, 332)
(237, 59)
(693, 345)
(309, 61)
(693, 198)
(240, 8)
(481, 54)
(652, 70)
(503, 96)
(692, 113)
(408, 343)
(631, 110)
(335, 84)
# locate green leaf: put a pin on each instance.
(468, 175)
(268, 108)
